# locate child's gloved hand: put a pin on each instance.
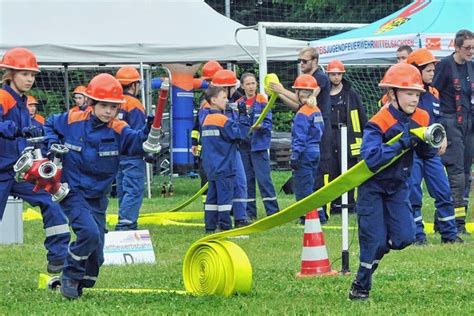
(149, 123)
(10, 130)
(242, 107)
(149, 158)
(294, 164)
(31, 131)
(408, 140)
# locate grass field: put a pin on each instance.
(433, 280)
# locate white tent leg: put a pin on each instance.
(344, 207)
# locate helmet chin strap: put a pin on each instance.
(395, 90)
(300, 104)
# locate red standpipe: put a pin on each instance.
(161, 103)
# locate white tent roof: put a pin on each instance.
(129, 31)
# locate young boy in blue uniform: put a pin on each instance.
(383, 207)
(306, 133)
(228, 80)
(432, 170)
(95, 140)
(131, 173)
(208, 71)
(254, 150)
(15, 125)
(219, 139)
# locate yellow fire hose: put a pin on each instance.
(214, 266)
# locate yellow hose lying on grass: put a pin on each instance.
(213, 265)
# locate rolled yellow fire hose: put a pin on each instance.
(214, 266)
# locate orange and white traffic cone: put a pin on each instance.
(314, 261)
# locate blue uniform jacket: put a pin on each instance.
(94, 148)
(383, 126)
(261, 137)
(14, 116)
(38, 120)
(132, 112)
(203, 112)
(219, 137)
(306, 131)
(429, 101)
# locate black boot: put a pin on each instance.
(457, 240)
(358, 293)
(461, 226)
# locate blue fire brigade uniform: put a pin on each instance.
(255, 158)
(306, 134)
(14, 117)
(131, 173)
(219, 138)
(384, 212)
(37, 121)
(432, 170)
(239, 203)
(89, 168)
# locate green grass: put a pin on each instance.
(437, 279)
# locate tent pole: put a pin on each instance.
(170, 100)
(147, 106)
(66, 85)
(262, 55)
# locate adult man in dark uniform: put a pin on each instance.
(454, 79)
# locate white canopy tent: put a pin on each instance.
(85, 32)
(125, 31)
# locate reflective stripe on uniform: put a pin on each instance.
(355, 121)
(224, 208)
(269, 198)
(210, 207)
(445, 219)
(125, 221)
(73, 147)
(369, 265)
(460, 211)
(108, 153)
(57, 230)
(195, 135)
(355, 147)
(211, 132)
(77, 258)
